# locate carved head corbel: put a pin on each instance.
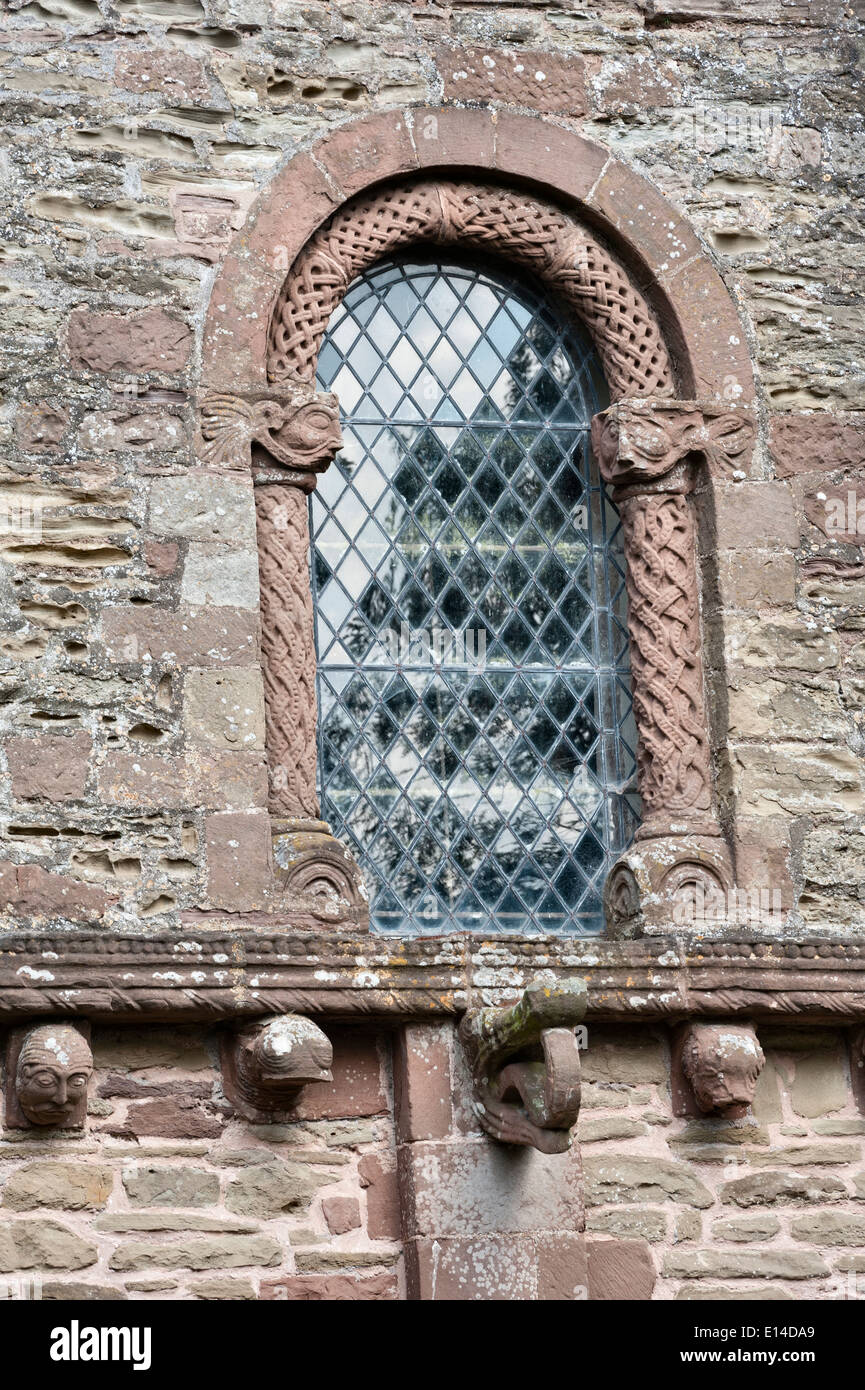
(525, 1065)
(266, 1064)
(721, 1063)
(48, 1069)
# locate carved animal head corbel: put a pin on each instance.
(720, 1065)
(266, 1064)
(48, 1068)
(525, 1065)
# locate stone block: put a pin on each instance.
(620, 1270)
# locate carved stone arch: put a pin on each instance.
(613, 254)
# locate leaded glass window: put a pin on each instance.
(476, 732)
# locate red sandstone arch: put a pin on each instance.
(664, 260)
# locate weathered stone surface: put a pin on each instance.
(755, 516)
(341, 1214)
(238, 859)
(332, 1288)
(52, 767)
(154, 1186)
(224, 1290)
(31, 891)
(525, 77)
(204, 1252)
(815, 443)
(762, 1189)
(624, 1055)
(621, 1270)
(177, 75)
(822, 1228)
(474, 1186)
(629, 1223)
(641, 1179)
(70, 1186)
(152, 341)
(377, 1175)
(220, 577)
(202, 505)
(225, 708)
(747, 1264)
(272, 1188)
(747, 1228)
(819, 1086)
(31, 1243)
(422, 1082)
(721, 1293)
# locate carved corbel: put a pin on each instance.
(48, 1069)
(266, 1065)
(525, 1064)
(715, 1069)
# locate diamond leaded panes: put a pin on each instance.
(476, 734)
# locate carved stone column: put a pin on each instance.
(648, 451)
(289, 433)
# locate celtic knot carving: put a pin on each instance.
(583, 274)
(673, 756)
(288, 648)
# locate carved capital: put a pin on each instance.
(48, 1069)
(525, 1064)
(297, 426)
(720, 1064)
(266, 1065)
(652, 886)
(641, 443)
(320, 880)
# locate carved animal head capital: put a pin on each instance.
(267, 1064)
(639, 442)
(722, 1063)
(52, 1073)
(297, 426)
(525, 1064)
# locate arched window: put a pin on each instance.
(476, 735)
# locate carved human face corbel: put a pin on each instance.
(48, 1069)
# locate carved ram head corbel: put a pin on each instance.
(525, 1065)
(716, 1067)
(266, 1064)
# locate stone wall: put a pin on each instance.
(170, 1195)
(133, 788)
(132, 780)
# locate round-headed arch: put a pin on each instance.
(596, 231)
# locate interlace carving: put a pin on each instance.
(673, 765)
(582, 273)
(287, 648)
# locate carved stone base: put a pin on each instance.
(657, 886)
(319, 881)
